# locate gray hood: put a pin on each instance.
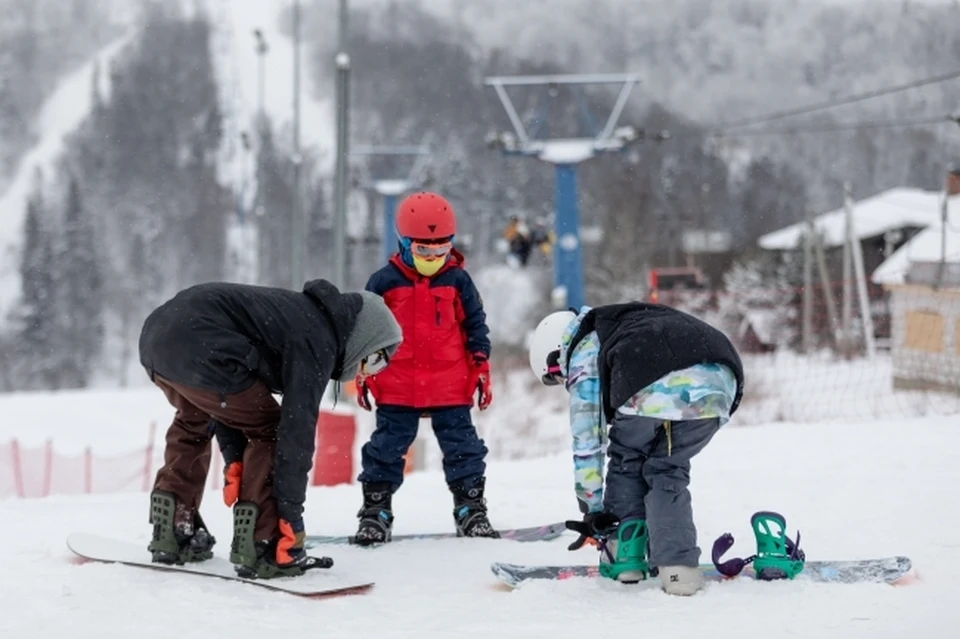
(375, 328)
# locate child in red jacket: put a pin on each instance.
(442, 361)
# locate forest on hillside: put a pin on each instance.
(141, 205)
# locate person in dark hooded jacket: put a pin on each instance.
(219, 352)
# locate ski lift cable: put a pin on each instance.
(830, 104)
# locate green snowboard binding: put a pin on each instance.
(624, 558)
(778, 556)
(255, 559)
(179, 536)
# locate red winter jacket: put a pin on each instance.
(443, 325)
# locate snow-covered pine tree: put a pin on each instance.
(759, 290)
(80, 293)
(36, 364)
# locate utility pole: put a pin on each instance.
(261, 50)
(807, 324)
(342, 28)
(944, 218)
(866, 318)
(297, 227)
(847, 273)
(342, 63)
(825, 283)
(260, 123)
(340, 179)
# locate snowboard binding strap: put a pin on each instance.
(777, 557)
(596, 533)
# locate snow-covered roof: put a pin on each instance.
(886, 211)
(925, 246)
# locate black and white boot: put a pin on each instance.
(470, 509)
(376, 515)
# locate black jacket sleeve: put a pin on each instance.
(231, 441)
(474, 317)
(376, 283)
(305, 376)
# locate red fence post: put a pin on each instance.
(148, 462)
(333, 457)
(47, 468)
(17, 468)
(88, 470)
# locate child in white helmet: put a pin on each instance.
(664, 382)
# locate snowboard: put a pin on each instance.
(533, 533)
(314, 584)
(891, 570)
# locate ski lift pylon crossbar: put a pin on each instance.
(499, 84)
(564, 78)
(421, 153)
(390, 150)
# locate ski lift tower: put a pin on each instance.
(565, 152)
(391, 186)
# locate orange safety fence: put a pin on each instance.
(40, 471)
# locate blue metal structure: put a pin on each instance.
(565, 154)
(391, 188)
(567, 261)
(389, 245)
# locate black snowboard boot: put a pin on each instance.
(376, 515)
(179, 534)
(470, 509)
(257, 559)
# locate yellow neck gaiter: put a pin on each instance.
(428, 267)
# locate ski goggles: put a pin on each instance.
(373, 364)
(430, 250)
(553, 376)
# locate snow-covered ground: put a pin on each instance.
(856, 491)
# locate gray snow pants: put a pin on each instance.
(648, 477)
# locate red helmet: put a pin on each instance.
(425, 216)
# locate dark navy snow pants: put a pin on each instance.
(648, 477)
(463, 450)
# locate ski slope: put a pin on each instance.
(854, 490)
(60, 115)
(237, 68)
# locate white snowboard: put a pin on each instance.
(315, 583)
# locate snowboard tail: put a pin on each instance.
(314, 584)
(529, 534)
(892, 570)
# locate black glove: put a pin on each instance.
(593, 526)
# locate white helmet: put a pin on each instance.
(546, 339)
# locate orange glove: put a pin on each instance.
(290, 545)
(232, 473)
(481, 377)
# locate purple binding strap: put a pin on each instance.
(730, 567)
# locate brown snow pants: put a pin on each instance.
(186, 458)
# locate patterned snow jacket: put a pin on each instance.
(696, 391)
